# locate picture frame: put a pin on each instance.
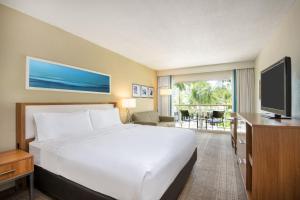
(48, 75)
(136, 90)
(144, 91)
(150, 92)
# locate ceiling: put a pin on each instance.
(165, 34)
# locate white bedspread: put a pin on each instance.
(127, 162)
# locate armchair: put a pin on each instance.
(152, 118)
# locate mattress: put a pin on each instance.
(128, 162)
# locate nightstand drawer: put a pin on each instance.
(14, 169)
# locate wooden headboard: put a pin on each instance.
(21, 141)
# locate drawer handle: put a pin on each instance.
(242, 141)
(241, 161)
(7, 172)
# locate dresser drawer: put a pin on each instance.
(241, 145)
(15, 169)
(242, 166)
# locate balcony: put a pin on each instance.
(201, 116)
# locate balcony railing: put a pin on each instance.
(201, 113)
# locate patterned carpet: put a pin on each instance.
(215, 175)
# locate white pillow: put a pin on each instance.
(105, 118)
(55, 125)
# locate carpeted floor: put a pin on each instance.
(215, 175)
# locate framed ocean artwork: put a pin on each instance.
(47, 75)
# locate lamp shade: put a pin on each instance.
(129, 103)
(165, 92)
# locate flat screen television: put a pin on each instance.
(276, 88)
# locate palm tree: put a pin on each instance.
(202, 93)
(181, 87)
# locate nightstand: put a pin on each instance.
(16, 164)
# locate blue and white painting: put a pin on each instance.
(47, 75)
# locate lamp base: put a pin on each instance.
(128, 116)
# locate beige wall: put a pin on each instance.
(285, 41)
(21, 36)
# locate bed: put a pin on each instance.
(123, 161)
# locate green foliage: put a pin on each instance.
(204, 92)
(180, 86)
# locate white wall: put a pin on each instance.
(221, 75)
(285, 41)
(207, 68)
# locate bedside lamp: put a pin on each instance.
(128, 103)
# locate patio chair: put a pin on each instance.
(187, 117)
(217, 117)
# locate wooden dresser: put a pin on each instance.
(268, 154)
(233, 125)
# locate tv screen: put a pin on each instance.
(276, 87)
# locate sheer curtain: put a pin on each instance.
(164, 102)
(245, 90)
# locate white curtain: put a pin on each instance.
(245, 90)
(164, 102)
